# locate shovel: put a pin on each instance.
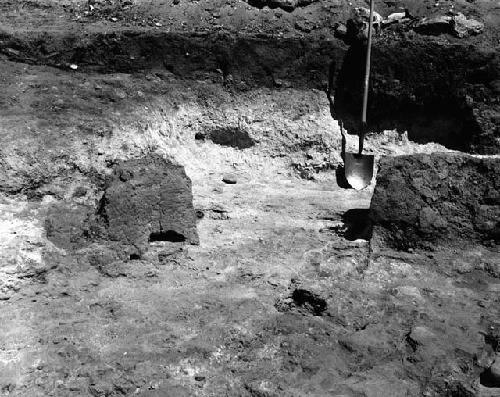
(358, 166)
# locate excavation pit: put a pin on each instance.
(179, 320)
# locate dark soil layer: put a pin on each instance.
(426, 200)
(437, 92)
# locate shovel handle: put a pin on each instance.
(361, 138)
(367, 79)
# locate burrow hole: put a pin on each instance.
(227, 136)
(168, 235)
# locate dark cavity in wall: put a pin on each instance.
(488, 379)
(309, 300)
(228, 136)
(358, 224)
(169, 235)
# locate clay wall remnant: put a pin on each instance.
(443, 198)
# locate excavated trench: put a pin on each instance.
(437, 92)
(434, 92)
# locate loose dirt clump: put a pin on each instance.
(424, 200)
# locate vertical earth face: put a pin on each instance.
(437, 199)
(174, 216)
(146, 200)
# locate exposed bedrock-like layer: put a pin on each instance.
(436, 90)
(439, 199)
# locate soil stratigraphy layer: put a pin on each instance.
(438, 87)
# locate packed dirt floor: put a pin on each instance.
(280, 291)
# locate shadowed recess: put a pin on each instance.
(169, 235)
(341, 179)
(316, 304)
(358, 224)
(228, 136)
(488, 379)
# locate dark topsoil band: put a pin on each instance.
(437, 91)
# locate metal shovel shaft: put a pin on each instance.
(367, 79)
(359, 167)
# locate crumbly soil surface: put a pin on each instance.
(283, 295)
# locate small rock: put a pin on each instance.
(364, 13)
(230, 179)
(421, 336)
(11, 51)
(73, 66)
(463, 27)
(340, 30)
(410, 292)
(395, 17)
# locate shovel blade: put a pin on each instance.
(359, 169)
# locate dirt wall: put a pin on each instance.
(439, 199)
(437, 91)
